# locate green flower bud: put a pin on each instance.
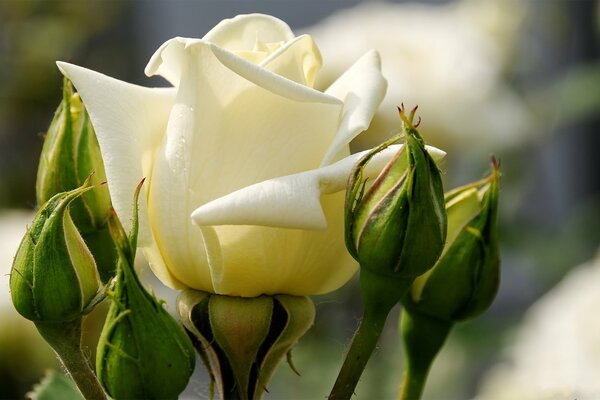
(243, 340)
(464, 281)
(54, 277)
(143, 353)
(397, 227)
(69, 156)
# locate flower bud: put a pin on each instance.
(143, 353)
(464, 281)
(54, 277)
(243, 340)
(397, 227)
(69, 156)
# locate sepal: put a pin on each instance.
(464, 282)
(243, 340)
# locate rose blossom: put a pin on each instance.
(245, 145)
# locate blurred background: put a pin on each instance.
(519, 79)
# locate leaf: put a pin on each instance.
(54, 386)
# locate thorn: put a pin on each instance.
(288, 357)
(418, 123)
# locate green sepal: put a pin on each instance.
(192, 307)
(242, 341)
(465, 280)
(240, 326)
(356, 192)
(296, 315)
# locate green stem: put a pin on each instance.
(65, 339)
(364, 342)
(413, 383)
(379, 294)
(423, 338)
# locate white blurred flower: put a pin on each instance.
(12, 228)
(448, 59)
(23, 353)
(556, 352)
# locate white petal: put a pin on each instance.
(271, 81)
(241, 32)
(292, 201)
(168, 60)
(158, 267)
(361, 88)
(129, 121)
(298, 60)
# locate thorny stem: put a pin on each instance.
(65, 339)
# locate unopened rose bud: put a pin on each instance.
(243, 340)
(143, 353)
(396, 230)
(461, 285)
(397, 227)
(54, 276)
(465, 280)
(70, 155)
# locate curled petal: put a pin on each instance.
(361, 88)
(298, 60)
(243, 31)
(292, 201)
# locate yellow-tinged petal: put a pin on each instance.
(298, 60)
(460, 210)
(265, 260)
(216, 143)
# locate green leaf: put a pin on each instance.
(54, 386)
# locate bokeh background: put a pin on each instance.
(519, 79)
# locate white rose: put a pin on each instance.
(245, 145)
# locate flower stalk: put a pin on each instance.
(376, 311)
(423, 338)
(65, 339)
